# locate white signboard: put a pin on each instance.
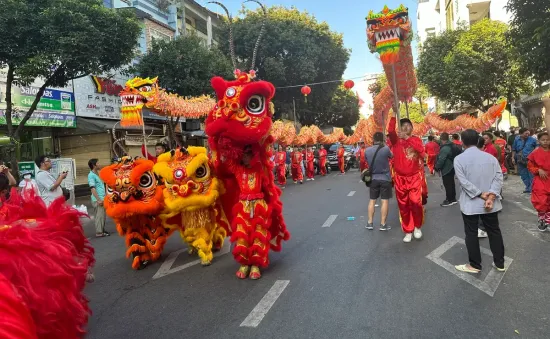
(64, 165)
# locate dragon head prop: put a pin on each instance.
(189, 181)
(132, 189)
(137, 93)
(387, 31)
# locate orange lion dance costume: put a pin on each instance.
(191, 197)
(44, 259)
(239, 137)
(134, 200)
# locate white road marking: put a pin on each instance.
(330, 220)
(259, 312)
(527, 209)
(350, 194)
(166, 267)
(491, 282)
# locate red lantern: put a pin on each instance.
(305, 91)
(348, 84)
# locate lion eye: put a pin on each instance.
(256, 104)
(146, 180)
(201, 172)
(145, 89)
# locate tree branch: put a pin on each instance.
(9, 105)
(35, 102)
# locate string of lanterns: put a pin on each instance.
(306, 90)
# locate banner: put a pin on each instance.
(56, 108)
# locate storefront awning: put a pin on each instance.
(92, 126)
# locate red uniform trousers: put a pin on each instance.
(341, 165)
(363, 165)
(310, 169)
(297, 174)
(281, 174)
(323, 165)
(540, 198)
(408, 191)
(431, 162)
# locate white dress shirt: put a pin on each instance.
(478, 172)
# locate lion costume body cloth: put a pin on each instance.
(191, 197)
(242, 118)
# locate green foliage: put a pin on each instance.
(343, 110)
(184, 65)
(415, 114)
(295, 49)
(474, 66)
(379, 85)
(530, 36)
(60, 40)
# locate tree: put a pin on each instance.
(60, 40)
(530, 36)
(343, 110)
(415, 111)
(295, 49)
(184, 65)
(377, 87)
(474, 66)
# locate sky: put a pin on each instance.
(343, 16)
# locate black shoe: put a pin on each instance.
(542, 226)
(447, 203)
(106, 234)
(369, 226)
(385, 227)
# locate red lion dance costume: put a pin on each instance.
(44, 259)
(239, 137)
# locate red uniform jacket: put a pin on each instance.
(322, 154)
(491, 149)
(309, 157)
(457, 142)
(406, 153)
(297, 158)
(280, 159)
(432, 148)
(341, 152)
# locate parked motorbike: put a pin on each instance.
(349, 162)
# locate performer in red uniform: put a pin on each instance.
(297, 175)
(432, 150)
(500, 142)
(310, 168)
(280, 161)
(490, 148)
(340, 155)
(456, 140)
(363, 165)
(408, 179)
(539, 165)
(323, 160)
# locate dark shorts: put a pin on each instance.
(380, 189)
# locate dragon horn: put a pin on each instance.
(262, 31)
(231, 43)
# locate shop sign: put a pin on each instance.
(40, 118)
(27, 166)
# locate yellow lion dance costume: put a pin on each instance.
(192, 193)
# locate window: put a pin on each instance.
(449, 12)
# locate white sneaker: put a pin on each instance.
(313, 179)
(481, 234)
(417, 233)
(408, 237)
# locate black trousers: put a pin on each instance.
(449, 183)
(490, 221)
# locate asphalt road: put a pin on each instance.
(341, 281)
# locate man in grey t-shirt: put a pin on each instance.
(381, 186)
(48, 187)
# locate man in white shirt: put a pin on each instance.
(480, 177)
(48, 186)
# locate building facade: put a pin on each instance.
(436, 16)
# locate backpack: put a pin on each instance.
(366, 175)
(455, 151)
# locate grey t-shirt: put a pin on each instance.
(381, 168)
(45, 181)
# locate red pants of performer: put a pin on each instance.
(297, 174)
(251, 233)
(281, 174)
(431, 162)
(540, 198)
(310, 170)
(363, 165)
(323, 164)
(341, 165)
(408, 191)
